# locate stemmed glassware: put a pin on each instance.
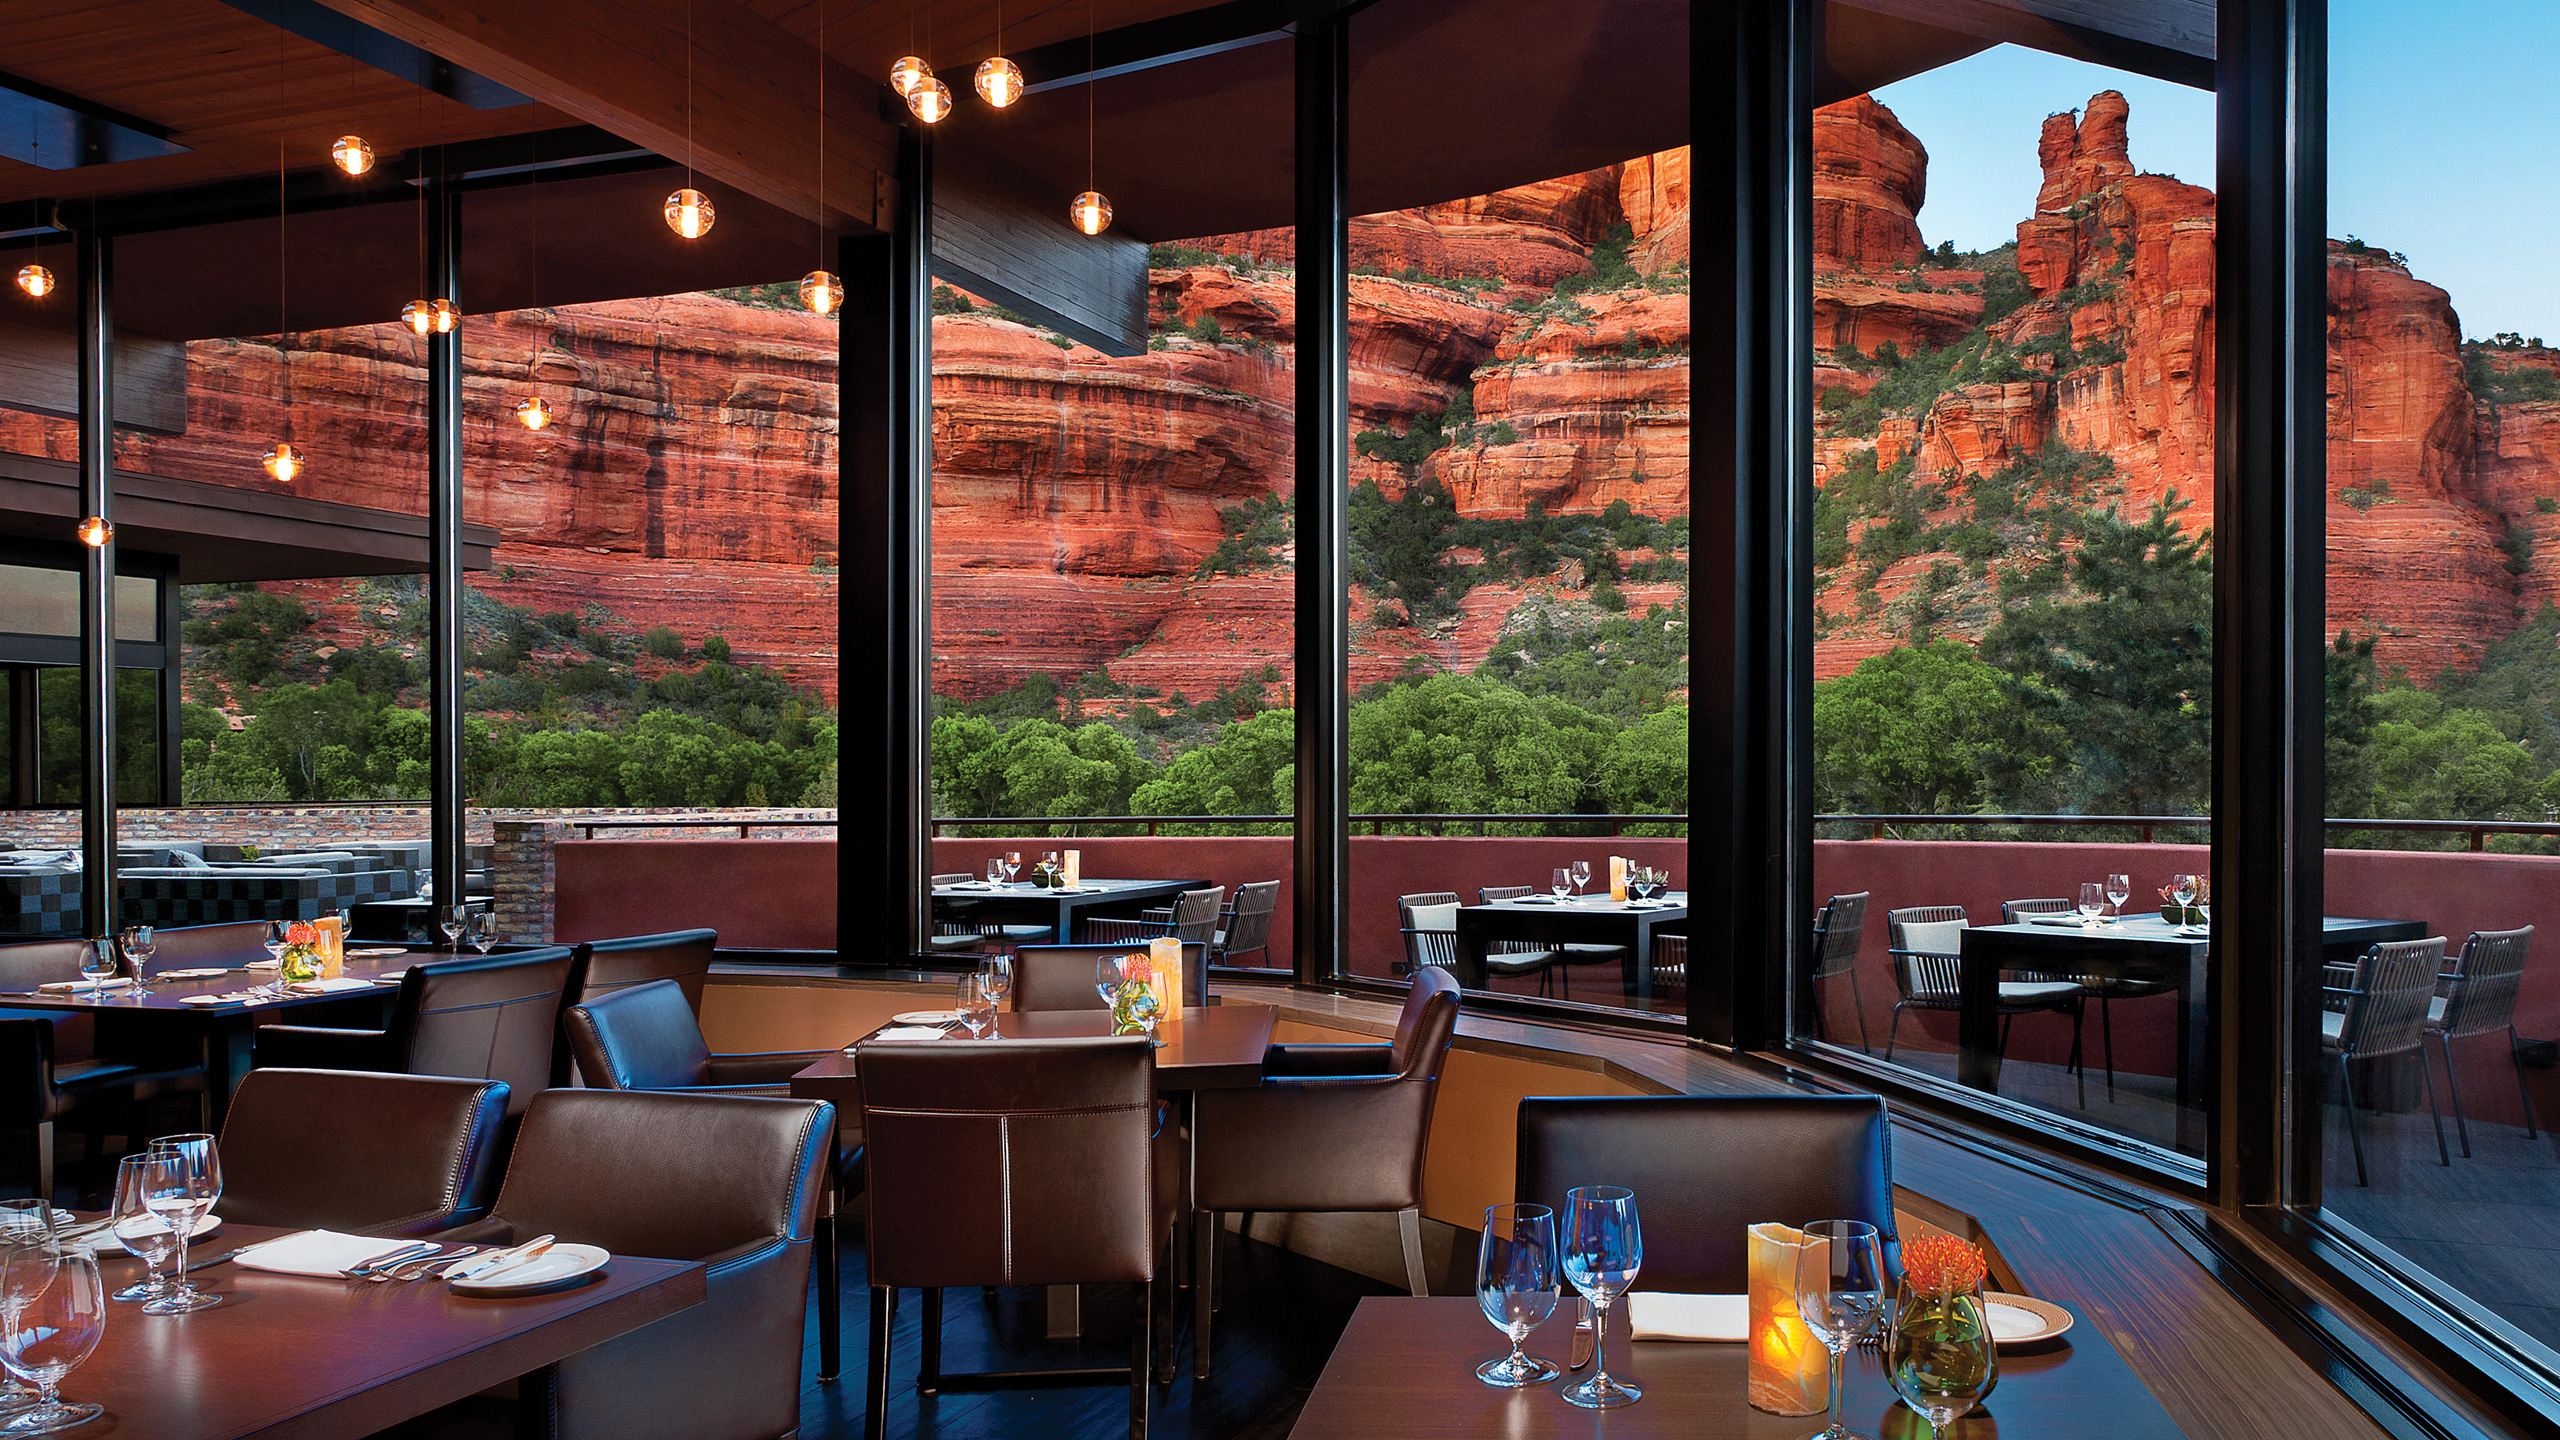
(24, 1225)
(453, 920)
(139, 942)
(2119, 890)
(98, 960)
(1106, 978)
(977, 1012)
(995, 872)
(995, 978)
(1516, 1285)
(1561, 881)
(182, 1180)
(142, 1230)
(1581, 876)
(52, 1310)
(1050, 867)
(1840, 1296)
(2093, 901)
(1012, 865)
(1603, 1250)
(480, 930)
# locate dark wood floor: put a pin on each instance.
(1282, 1315)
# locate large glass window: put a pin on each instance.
(2435, 1069)
(2013, 286)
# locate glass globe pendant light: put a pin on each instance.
(534, 413)
(431, 317)
(96, 532)
(1091, 212)
(907, 72)
(821, 292)
(931, 99)
(284, 462)
(689, 213)
(999, 81)
(351, 154)
(36, 280)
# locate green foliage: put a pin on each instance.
(1925, 729)
(2517, 541)
(715, 649)
(1035, 767)
(663, 642)
(1176, 257)
(1396, 546)
(245, 639)
(947, 301)
(1646, 769)
(1622, 667)
(1252, 535)
(2495, 385)
(1610, 268)
(2546, 504)
(1453, 744)
(1206, 331)
(1249, 769)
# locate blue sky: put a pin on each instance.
(2440, 145)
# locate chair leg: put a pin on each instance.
(2427, 1073)
(830, 1277)
(44, 1162)
(1204, 1289)
(1821, 1024)
(929, 1369)
(2107, 1028)
(2522, 1093)
(884, 1320)
(2453, 1089)
(1409, 1225)
(2355, 1141)
(1891, 1031)
(2079, 1065)
(1141, 1351)
(1859, 1002)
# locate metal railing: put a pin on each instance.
(2478, 831)
(1377, 823)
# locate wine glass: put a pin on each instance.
(2093, 901)
(1839, 1296)
(139, 942)
(1049, 867)
(1603, 1250)
(55, 1309)
(995, 871)
(480, 930)
(2204, 910)
(142, 1231)
(98, 960)
(2119, 890)
(1561, 881)
(1516, 1285)
(182, 1180)
(24, 1224)
(1106, 978)
(977, 1012)
(1581, 876)
(453, 920)
(996, 978)
(2182, 888)
(1012, 865)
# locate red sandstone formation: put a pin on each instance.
(1869, 177)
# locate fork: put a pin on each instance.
(365, 1269)
(415, 1267)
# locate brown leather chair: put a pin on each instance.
(1707, 1167)
(48, 1071)
(645, 1037)
(969, 1145)
(488, 1018)
(732, 1181)
(683, 956)
(1337, 1128)
(366, 1153)
(1060, 977)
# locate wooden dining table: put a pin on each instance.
(297, 1357)
(1405, 1370)
(1211, 1047)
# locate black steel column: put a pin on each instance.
(444, 549)
(97, 584)
(172, 691)
(1322, 846)
(1750, 847)
(884, 471)
(2269, 539)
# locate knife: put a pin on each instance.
(195, 1265)
(501, 1259)
(1585, 1338)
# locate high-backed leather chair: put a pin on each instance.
(1707, 1167)
(1060, 977)
(683, 956)
(731, 1181)
(1323, 1136)
(968, 1144)
(49, 1071)
(645, 1037)
(491, 1017)
(366, 1153)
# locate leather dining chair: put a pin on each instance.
(970, 1149)
(1060, 977)
(1330, 1128)
(188, 947)
(731, 1181)
(48, 1071)
(683, 956)
(364, 1153)
(1705, 1168)
(489, 1018)
(645, 1037)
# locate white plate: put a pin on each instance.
(2012, 1316)
(925, 1017)
(205, 1225)
(553, 1268)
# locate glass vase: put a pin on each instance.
(300, 965)
(1940, 1354)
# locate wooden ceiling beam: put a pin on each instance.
(622, 65)
(2168, 39)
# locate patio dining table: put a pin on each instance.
(1061, 909)
(1582, 920)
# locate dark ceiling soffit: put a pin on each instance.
(569, 153)
(1081, 331)
(64, 132)
(2171, 40)
(1191, 35)
(353, 38)
(992, 238)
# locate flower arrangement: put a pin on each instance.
(2176, 914)
(1133, 1004)
(1942, 1266)
(301, 960)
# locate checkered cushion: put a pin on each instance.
(39, 900)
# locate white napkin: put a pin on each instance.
(197, 974)
(68, 987)
(1659, 1315)
(315, 1252)
(237, 997)
(264, 965)
(323, 987)
(909, 1032)
(2008, 1322)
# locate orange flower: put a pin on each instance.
(1942, 1265)
(301, 933)
(1137, 966)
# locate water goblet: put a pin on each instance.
(182, 1180)
(1050, 867)
(1581, 875)
(55, 1309)
(453, 920)
(23, 1224)
(1012, 865)
(1516, 1285)
(2119, 890)
(143, 1232)
(98, 960)
(139, 942)
(977, 1012)
(480, 930)
(2182, 888)
(996, 977)
(2093, 901)
(1839, 1296)
(1561, 881)
(1603, 1248)
(995, 872)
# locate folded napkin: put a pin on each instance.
(264, 965)
(324, 987)
(192, 974)
(237, 997)
(909, 1032)
(1659, 1315)
(1535, 900)
(377, 952)
(2072, 920)
(315, 1252)
(73, 987)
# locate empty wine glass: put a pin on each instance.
(24, 1224)
(453, 920)
(2093, 901)
(977, 1012)
(182, 1180)
(2182, 888)
(996, 978)
(139, 942)
(1049, 867)
(1012, 865)
(1561, 881)
(2204, 910)
(1839, 1296)
(142, 1230)
(1106, 978)
(1581, 875)
(2119, 890)
(1516, 1285)
(1602, 1250)
(98, 960)
(55, 1309)
(480, 930)
(995, 871)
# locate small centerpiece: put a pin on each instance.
(2176, 913)
(302, 959)
(1134, 1009)
(1940, 1353)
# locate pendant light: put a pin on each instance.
(819, 289)
(1089, 212)
(282, 462)
(36, 280)
(930, 100)
(689, 211)
(351, 154)
(96, 532)
(535, 412)
(430, 317)
(906, 73)
(999, 79)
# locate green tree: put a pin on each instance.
(1469, 745)
(2441, 762)
(1047, 769)
(1645, 770)
(1921, 730)
(1250, 768)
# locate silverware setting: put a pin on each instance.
(1586, 1339)
(366, 1269)
(502, 1259)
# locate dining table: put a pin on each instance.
(171, 1020)
(1576, 920)
(2136, 947)
(1209, 1047)
(297, 1357)
(1060, 908)
(1405, 1370)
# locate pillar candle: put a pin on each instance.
(1790, 1371)
(1164, 956)
(333, 947)
(1073, 863)
(1618, 879)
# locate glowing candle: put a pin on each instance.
(1790, 1371)
(1618, 879)
(1164, 964)
(1072, 865)
(333, 947)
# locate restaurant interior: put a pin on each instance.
(696, 693)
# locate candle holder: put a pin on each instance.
(1790, 1370)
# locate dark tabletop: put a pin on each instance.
(1216, 1047)
(2150, 929)
(296, 1356)
(1088, 889)
(171, 994)
(1405, 1368)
